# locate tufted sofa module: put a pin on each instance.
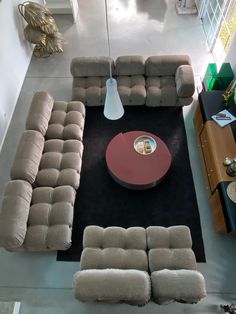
(114, 266)
(90, 75)
(132, 265)
(172, 265)
(157, 81)
(37, 208)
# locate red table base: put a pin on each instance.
(132, 169)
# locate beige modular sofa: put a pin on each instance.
(132, 265)
(157, 81)
(37, 208)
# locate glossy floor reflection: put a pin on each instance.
(136, 27)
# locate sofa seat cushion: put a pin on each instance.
(60, 164)
(67, 121)
(161, 91)
(50, 219)
(28, 156)
(113, 258)
(115, 237)
(14, 214)
(112, 285)
(186, 286)
(171, 237)
(40, 112)
(90, 90)
(171, 259)
(132, 90)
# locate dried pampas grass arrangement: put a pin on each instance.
(41, 29)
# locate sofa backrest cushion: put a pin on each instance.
(28, 156)
(165, 65)
(40, 112)
(14, 214)
(116, 237)
(91, 66)
(129, 65)
(171, 237)
(185, 286)
(112, 285)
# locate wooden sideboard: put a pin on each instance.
(216, 143)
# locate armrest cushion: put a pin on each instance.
(40, 112)
(28, 156)
(14, 214)
(184, 81)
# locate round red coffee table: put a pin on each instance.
(133, 169)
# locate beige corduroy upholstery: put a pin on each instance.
(114, 263)
(172, 265)
(184, 81)
(99, 237)
(114, 247)
(113, 257)
(112, 285)
(159, 81)
(181, 285)
(60, 163)
(39, 112)
(89, 79)
(14, 214)
(50, 219)
(47, 166)
(66, 121)
(130, 72)
(28, 156)
(170, 248)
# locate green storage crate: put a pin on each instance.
(224, 77)
(210, 77)
(214, 80)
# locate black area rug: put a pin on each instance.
(101, 201)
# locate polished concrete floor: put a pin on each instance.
(147, 28)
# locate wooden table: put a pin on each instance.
(132, 169)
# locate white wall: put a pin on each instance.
(231, 55)
(15, 55)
